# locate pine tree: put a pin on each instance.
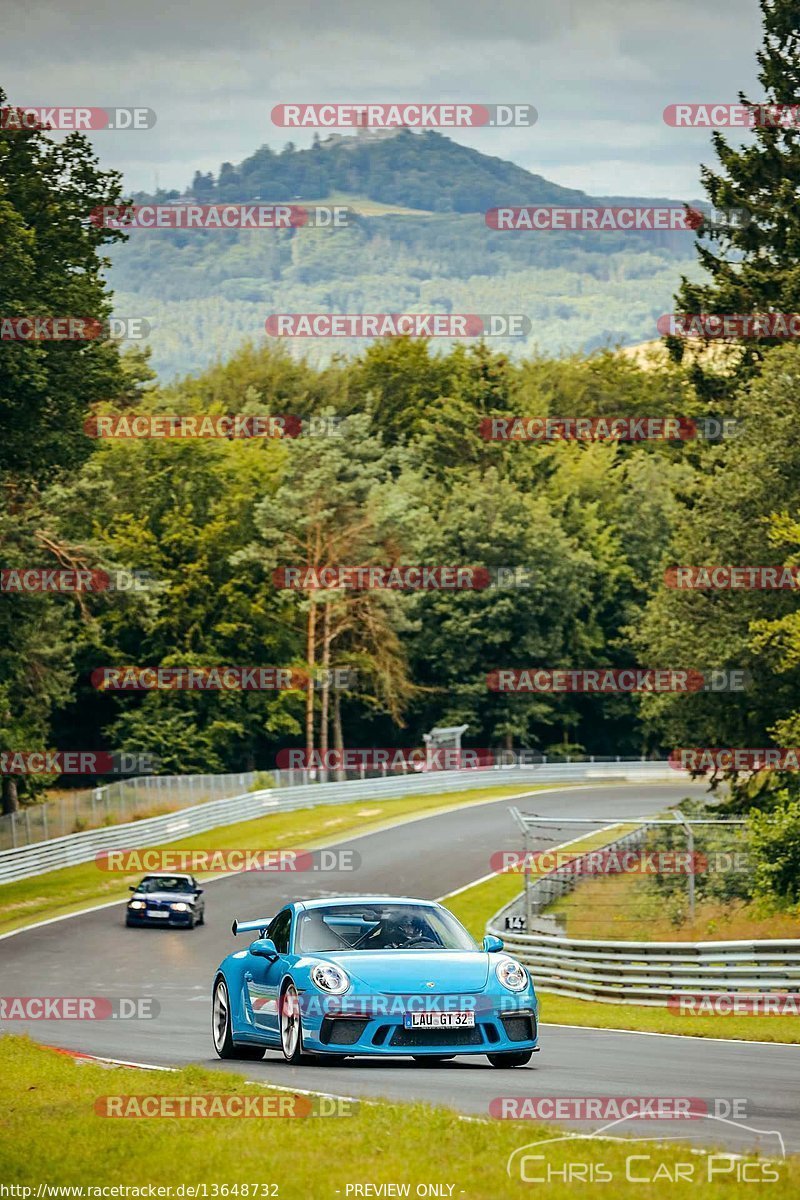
(754, 263)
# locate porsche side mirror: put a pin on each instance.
(492, 944)
(264, 948)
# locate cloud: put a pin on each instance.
(600, 73)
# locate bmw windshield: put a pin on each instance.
(165, 883)
(379, 927)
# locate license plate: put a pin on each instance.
(438, 1020)
(152, 912)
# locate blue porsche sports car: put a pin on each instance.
(372, 976)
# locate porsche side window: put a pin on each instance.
(279, 931)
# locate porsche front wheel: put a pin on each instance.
(291, 1025)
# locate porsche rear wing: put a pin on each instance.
(259, 926)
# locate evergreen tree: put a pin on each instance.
(754, 263)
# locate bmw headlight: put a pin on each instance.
(329, 978)
(180, 907)
(137, 904)
(512, 975)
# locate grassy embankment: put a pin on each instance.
(53, 1135)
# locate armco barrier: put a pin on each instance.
(83, 847)
(642, 972)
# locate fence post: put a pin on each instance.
(528, 882)
(690, 847)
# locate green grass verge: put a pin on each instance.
(53, 1135)
(629, 907)
(71, 889)
(564, 1010)
(476, 905)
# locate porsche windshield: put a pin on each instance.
(380, 927)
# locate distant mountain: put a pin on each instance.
(418, 170)
(418, 242)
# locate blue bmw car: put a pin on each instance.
(166, 900)
(372, 976)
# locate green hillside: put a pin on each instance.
(417, 240)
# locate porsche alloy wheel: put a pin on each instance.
(291, 1025)
(221, 1027)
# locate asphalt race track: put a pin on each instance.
(93, 954)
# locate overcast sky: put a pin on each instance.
(600, 72)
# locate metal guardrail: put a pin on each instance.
(114, 803)
(77, 848)
(138, 797)
(627, 972)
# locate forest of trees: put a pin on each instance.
(399, 473)
(418, 170)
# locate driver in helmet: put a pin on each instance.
(408, 929)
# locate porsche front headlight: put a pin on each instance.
(179, 907)
(512, 975)
(137, 904)
(329, 978)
